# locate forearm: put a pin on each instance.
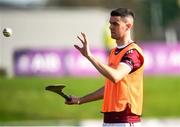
(107, 71)
(97, 95)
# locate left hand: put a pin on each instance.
(73, 100)
(84, 50)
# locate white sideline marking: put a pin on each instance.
(145, 123)
(91, 123)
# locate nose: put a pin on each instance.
(111, 27)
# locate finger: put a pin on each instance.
(80, 39)
(84, 37)
(83, 34)
(69, 102)
(77, 47)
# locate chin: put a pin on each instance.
(113, 37)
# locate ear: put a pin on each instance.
(129, 25)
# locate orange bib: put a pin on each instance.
(128, 91)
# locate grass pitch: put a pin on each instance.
(25, 98)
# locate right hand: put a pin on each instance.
(73, 100)
(84, 50)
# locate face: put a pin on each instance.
(117, 27)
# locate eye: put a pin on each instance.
(114, 23)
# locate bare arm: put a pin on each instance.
(97, 95)
(112, 74)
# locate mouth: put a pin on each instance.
(112, 32)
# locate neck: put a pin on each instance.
(124, 41)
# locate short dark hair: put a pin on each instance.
(123, 12)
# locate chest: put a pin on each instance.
(114, 59)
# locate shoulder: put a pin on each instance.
(132, 52)
(133, 58)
